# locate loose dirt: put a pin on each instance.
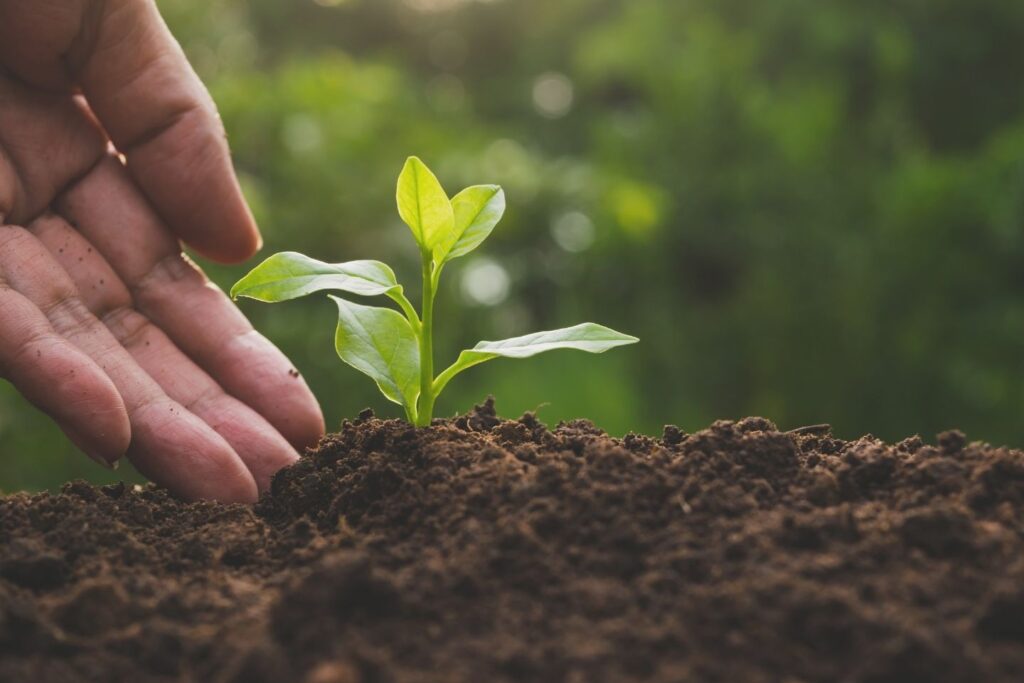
(489, 550)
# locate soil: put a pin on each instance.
(489, 550)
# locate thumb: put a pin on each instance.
(140, 85)
(137, 81)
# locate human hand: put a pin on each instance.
(104, 324)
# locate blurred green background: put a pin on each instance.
(807, 210)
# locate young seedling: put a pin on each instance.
(396, 349)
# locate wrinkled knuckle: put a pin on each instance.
(171, 269)
(177, 117)
(126, 324)
(109, 298)
(205, 398)
(68, 313)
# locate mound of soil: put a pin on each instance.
(489, 550)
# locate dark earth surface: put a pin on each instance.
(490, 550)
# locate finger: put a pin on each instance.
(46, 141)
(258, 444)
(105, 207)
(60, 380)
(261, 447)
(140, 85)
(169, 444)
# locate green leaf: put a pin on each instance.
(380, 343)
(589, 337)
(477, 210)
(423, 204)
(289, 275)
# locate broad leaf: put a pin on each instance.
(477, 210)
(588, 337)
(289, 275)
(380, 343)
(423, 204)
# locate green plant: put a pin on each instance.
(396, 349)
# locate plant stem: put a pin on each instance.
(426, 403)
(441, 381)
(410, 312)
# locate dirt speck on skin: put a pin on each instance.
(482, 549)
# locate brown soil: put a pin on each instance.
(487, 550)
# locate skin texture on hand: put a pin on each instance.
(111, 156)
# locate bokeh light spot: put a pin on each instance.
(573, 231)
(485, 282)
(637, 208)
(552, 95)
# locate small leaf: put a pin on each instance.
(423, 204)
(289, 275)
(477, 210)
(380, 343)
(588, 337)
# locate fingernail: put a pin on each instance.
(92, 450)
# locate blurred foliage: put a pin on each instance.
(809, 211)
